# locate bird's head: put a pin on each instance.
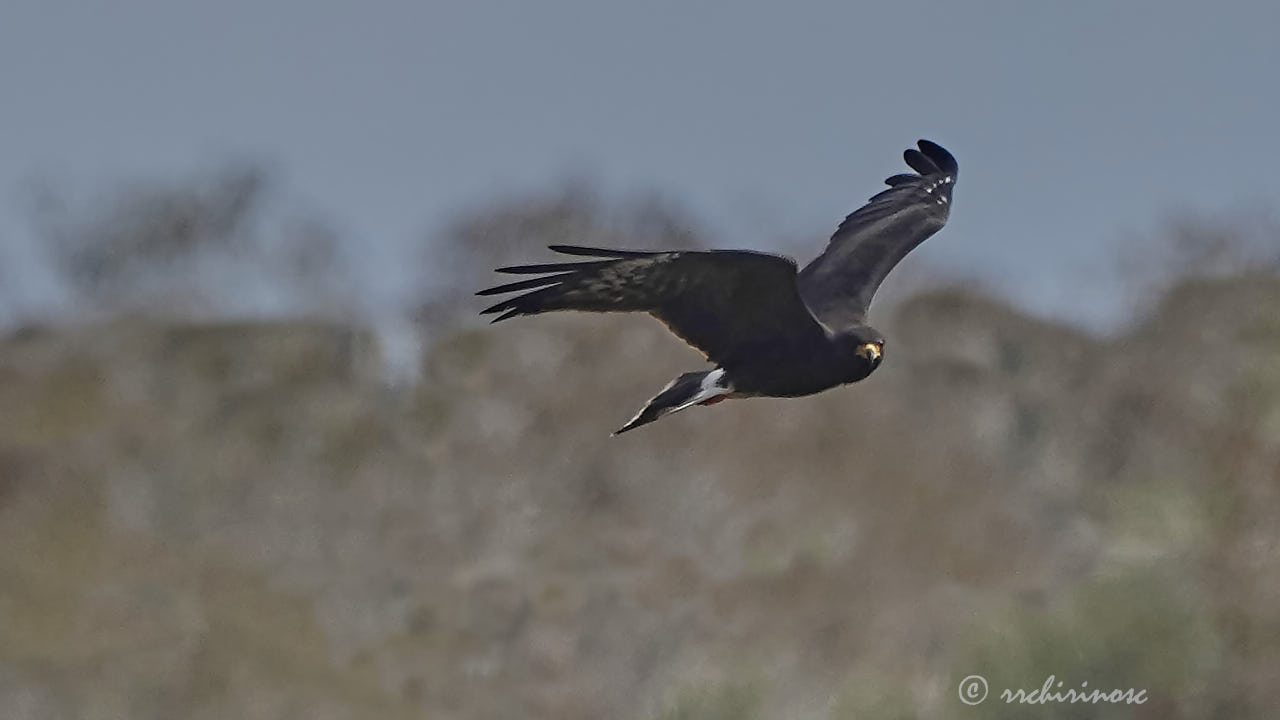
(863, 349)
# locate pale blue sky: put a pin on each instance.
(1077, 125)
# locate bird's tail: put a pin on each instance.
(692, 388)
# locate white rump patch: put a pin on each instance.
(709, 388)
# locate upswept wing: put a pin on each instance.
(839, 284)
(723, 302)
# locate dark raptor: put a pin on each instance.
(770, 330)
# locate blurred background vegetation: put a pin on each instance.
(205, 514)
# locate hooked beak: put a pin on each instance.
(871, 353)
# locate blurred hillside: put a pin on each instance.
(241, 519)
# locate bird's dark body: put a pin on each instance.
(795, 369)
(771, 330)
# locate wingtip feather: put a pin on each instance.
(582, 251)
(561, 268)
(510, 313)
(900, 179)
(530, 284)
(920, 162)
(939, 155)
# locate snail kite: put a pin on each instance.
(770, 330)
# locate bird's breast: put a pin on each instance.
(792, 371)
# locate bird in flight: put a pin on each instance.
(770, 330)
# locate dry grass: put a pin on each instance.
(237, 521)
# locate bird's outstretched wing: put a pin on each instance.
(723, 302)
(839, 284)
